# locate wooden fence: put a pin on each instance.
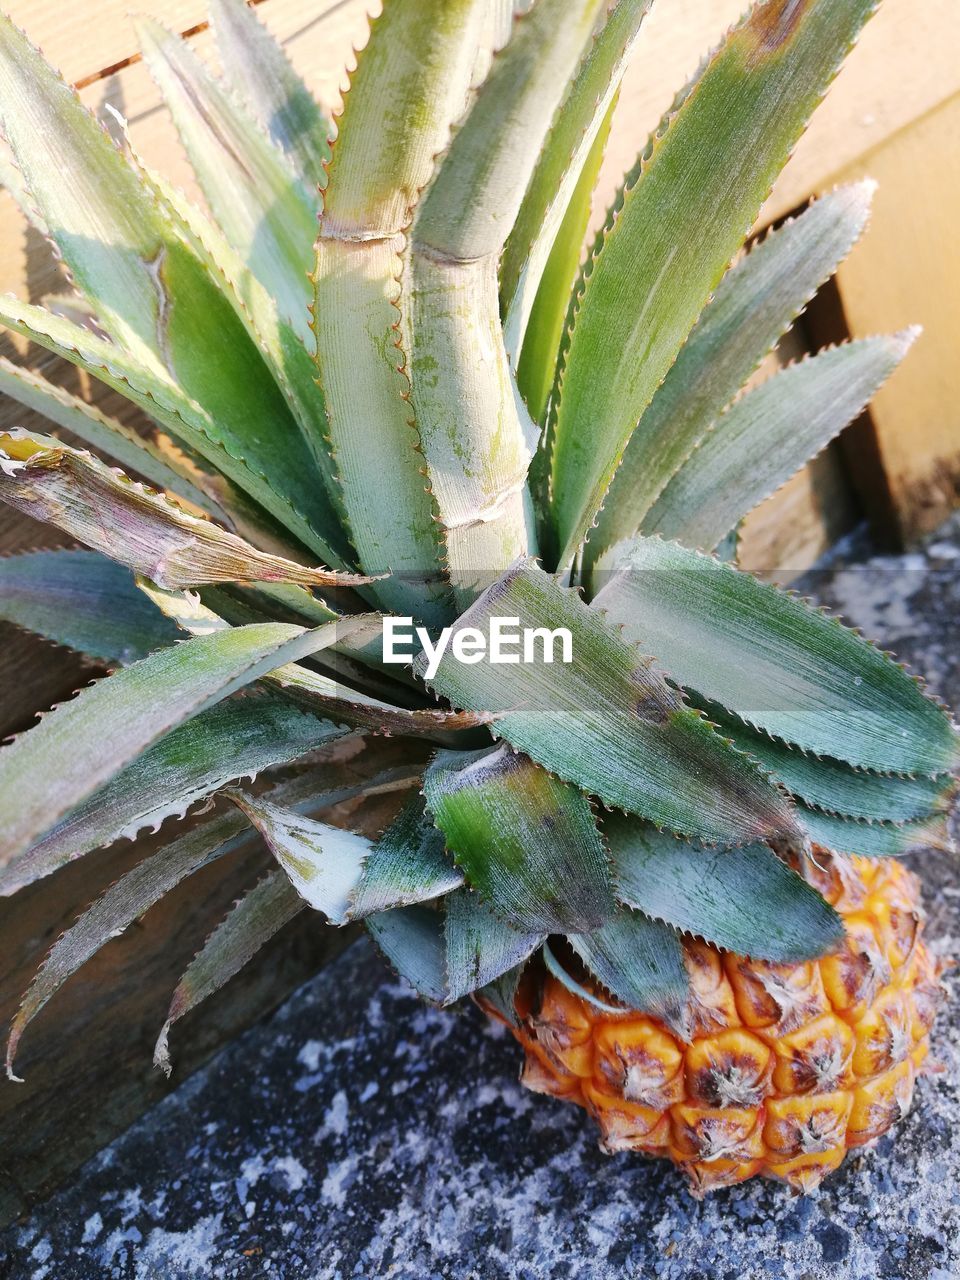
(894, 113)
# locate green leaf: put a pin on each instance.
(745, 900)
(282, 479)
(342, 873)
(323, 863)
(266, 213)
(607, 722)
(258, 71)
(87, 196)
(585, 993)
(411, 82)
(355, 659)
(478, 458)
(775, 661)
(526, 841)
(681, 222)
(828, 784)
(328, 697)
(481, 947)
(407, 864)
(81, 744)
(179, 350)
(260, 914)
(501, 994)
(82, 600)
(125, 901)
(164, 469)
(640, 961)
(322, 694)
(292, 366)
(563, 179)
(413, 941)
(477, 191)
(537, 366)
(768, 435)
(754, 305)
(142, 529)
(876, 839)
(235, 740)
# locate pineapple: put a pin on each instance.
(773, 1069)
(381, 378)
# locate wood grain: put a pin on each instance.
(906, 270)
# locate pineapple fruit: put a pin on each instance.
(774, 1069)
(664, 862)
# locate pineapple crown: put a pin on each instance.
(461, 416)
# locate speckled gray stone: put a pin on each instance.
(360, 1134)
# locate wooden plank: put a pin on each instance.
(85, 36)
(789, 532)
(906, 270)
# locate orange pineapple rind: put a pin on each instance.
(787, 1067)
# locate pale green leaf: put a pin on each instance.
(536, 368)
(607, 722)
(323, 863)
(237, 739)
(165, 470)
(501, 995)
(681, 223)
(640, 961)
(478, 457)
(260, 914)
(476, 194)
(755, 303)
(876, 839)
(125, 901)
(282, 479)
(775, 661)
(291, 364)
(257, 199)
(328, 697)
(563, 178)
(344, 874)
(481, 947)
(137, 890)
(768, 435)
(320, 693)
(408, 864)
(832, 785)
(258, 70)
(413, 941)
(585, 993)
(178, 345)
(411, 83)
(526, 841)
(87, 196)
(82, 600)
(744, 900)
(81, 744)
